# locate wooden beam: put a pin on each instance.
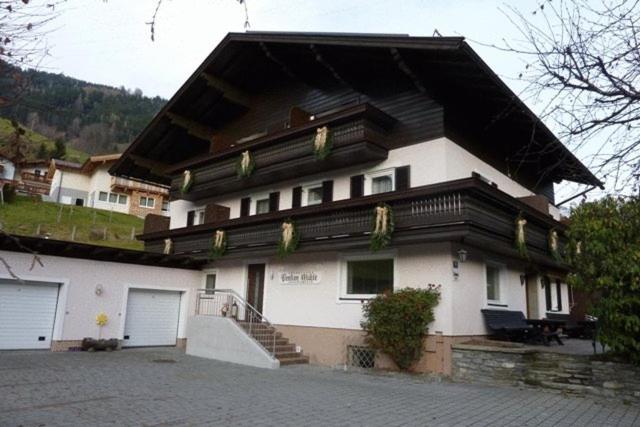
(155, 167)
(193, 128)
(404, 67)
(326, 65)
(232, 93)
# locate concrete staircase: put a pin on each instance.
(268, 337)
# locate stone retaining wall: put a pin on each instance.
(522, 366)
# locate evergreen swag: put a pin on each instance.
(521, 236)
(553, 245)
(219, 246)
(382, 227)
(245, 165)
(322, 143)
(396, 323)
(187, 181)
(289, 240)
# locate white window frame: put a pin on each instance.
(343, 296)
(126, 199)
(146, 202)
(502, 269)
(207, 273)
(254, 202)
(100, 193)
(368, 179)
(305, 193)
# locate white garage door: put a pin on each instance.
(27, 314)
(152, 318)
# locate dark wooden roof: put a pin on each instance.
(41, 246)
(246, 64)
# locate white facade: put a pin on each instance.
(100, 194)
(7, 169)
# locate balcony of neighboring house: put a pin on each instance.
(357, 134)
(468, 210)
(127, 185)
(33, 183)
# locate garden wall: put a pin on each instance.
(526, 366)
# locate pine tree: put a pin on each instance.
(43, 153)
(60, 151)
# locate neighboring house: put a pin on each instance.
(7, 169)
(89, 184)
(28, 177)
(420, 124)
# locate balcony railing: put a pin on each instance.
(358, 136)
(29, 176)
(124, 184)
(467, 209)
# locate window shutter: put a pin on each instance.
(403, 178)
(327, 191)
(274, 201)
(559, 292)
(296, 197)
(191, 215)
(357, 186)
(547, 292)
(245, 206)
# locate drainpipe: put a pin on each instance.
(60, 186)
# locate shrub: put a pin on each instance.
(604, 251)
(9, 193)
(396, 323)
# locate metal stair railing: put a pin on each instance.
(228, 303)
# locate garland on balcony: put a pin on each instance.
(168, 246)
(521, 236)
(553, 245)
(383, 226)
(289, 240)
(219, 246)
(245, 165)
(322, 143)
(187, 181)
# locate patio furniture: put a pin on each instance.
(510, 325)
(571, 328)
(548, 329)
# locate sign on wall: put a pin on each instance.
(299, 277)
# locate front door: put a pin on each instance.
(255, 286)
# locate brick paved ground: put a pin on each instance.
(143, 387)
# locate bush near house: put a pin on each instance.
(396, 323)
(604, 251)
(8, 193)
(29, 216)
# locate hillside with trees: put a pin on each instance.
(91, 118)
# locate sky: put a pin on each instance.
(108, 41)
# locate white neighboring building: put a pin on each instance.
(90, 184)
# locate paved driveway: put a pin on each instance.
(165, 387)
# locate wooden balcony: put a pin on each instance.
(29, 176)
(466, 210)
(127, 185)
(358, 135)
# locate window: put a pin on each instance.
(210, 281)
(103, 196)
(113, 198)
(493, 283)
(147, 202)
(122, 199)
(262, 205)
(368, 277)
(553, 294)
(312, 194)
(199, 217)
(165, 206)
(380, 182)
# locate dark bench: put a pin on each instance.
(513, 326)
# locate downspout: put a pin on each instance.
(60, 186)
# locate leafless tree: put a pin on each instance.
(583, 63)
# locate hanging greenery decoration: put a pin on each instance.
(289, 240)
(553, 245)
(521, 237)
(168, 246)
(245, 165)
(219, 246)
(383, 226)
(322, 143)
(187, 181)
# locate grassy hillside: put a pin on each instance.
(34, 140)
(26, 216)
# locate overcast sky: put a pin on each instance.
(108, 41)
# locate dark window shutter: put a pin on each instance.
(274, 201)
(245, 206)
(403, 178)
(547, 292)
(327, 191)
(191, 215)
(559, 292)
(296, 197)
(357, 186)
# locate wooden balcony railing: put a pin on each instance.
(464, 210)
(124, 184)
(29, 176)
(358, 136)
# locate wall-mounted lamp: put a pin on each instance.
(523, 279)
(99, 290)
(462, 255)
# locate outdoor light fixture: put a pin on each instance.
(99, 290)
(234, 310)
(462, 255)
(523, 279)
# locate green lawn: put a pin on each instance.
(26, 216)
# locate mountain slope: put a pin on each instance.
(93, 118)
